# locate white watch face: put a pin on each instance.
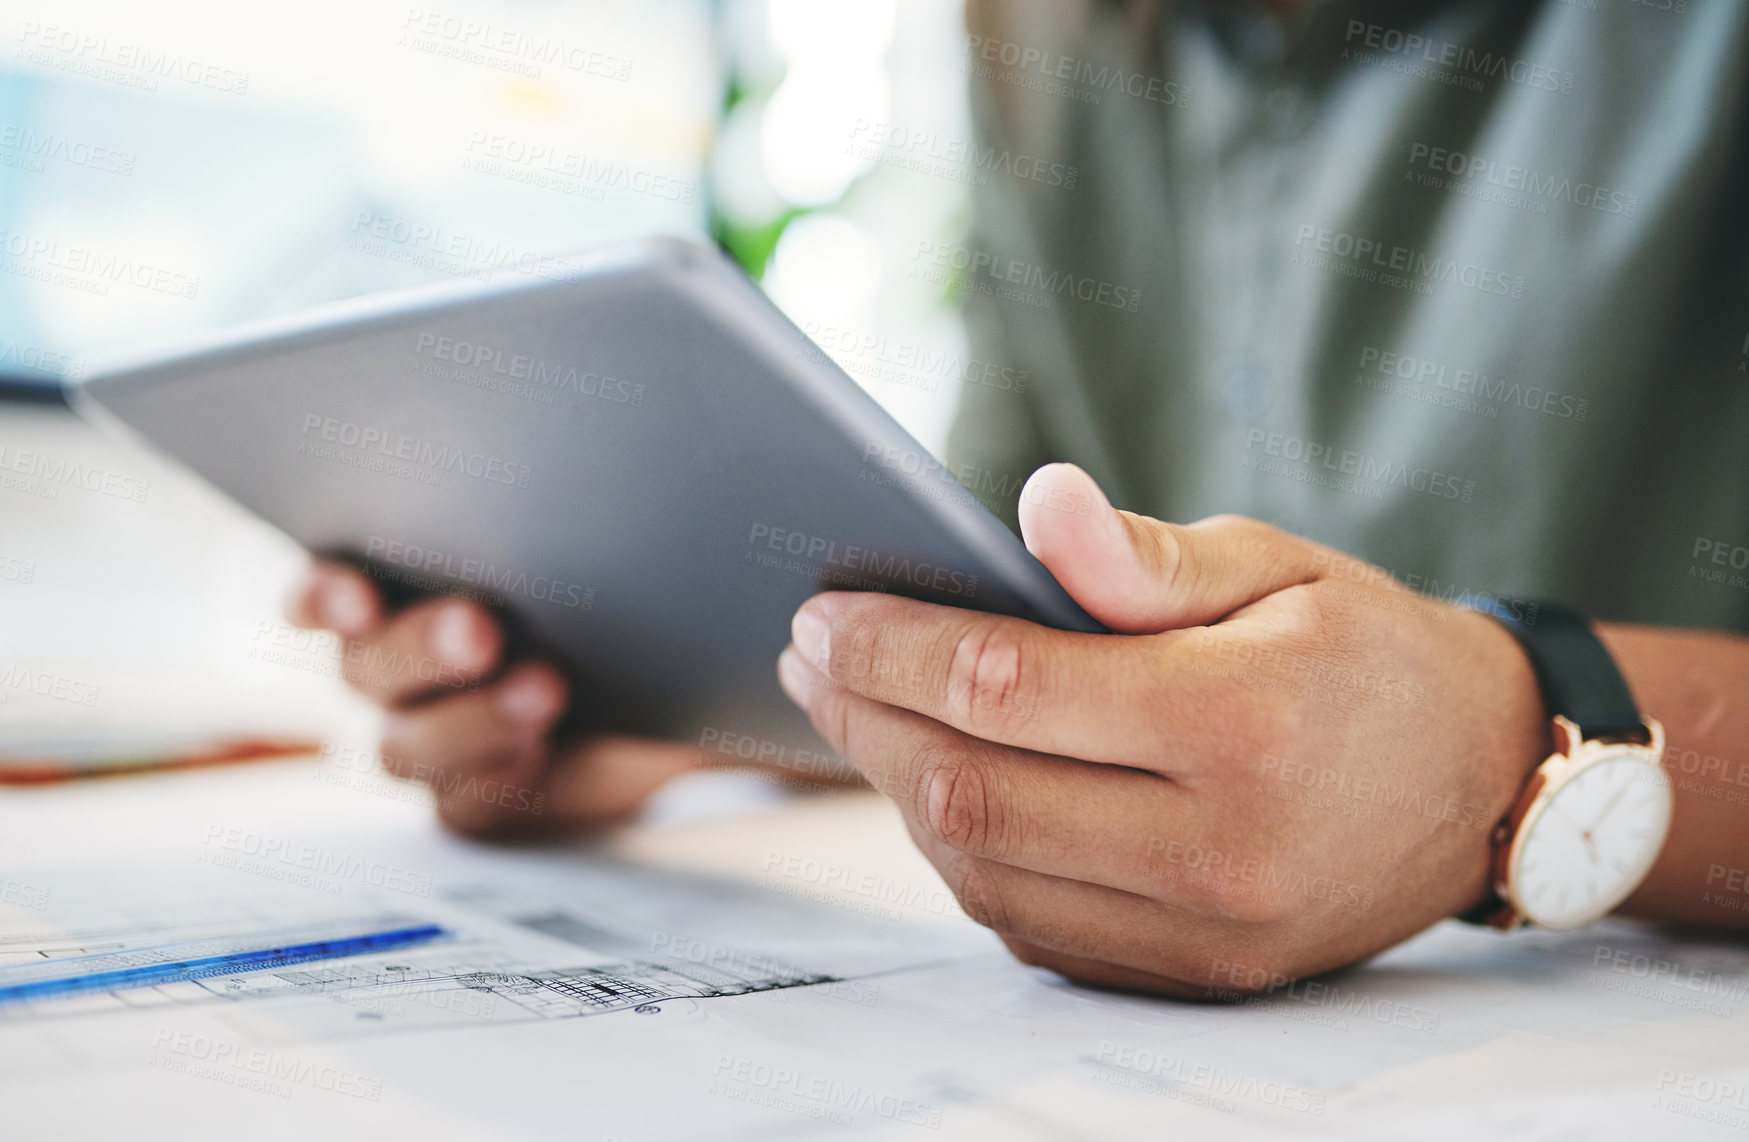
(1593, 841)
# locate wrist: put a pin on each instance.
(1588, 826)
(1515, 737)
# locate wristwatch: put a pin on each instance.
(1592, 818)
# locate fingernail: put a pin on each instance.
(454, 637)
(795, 677)
(526, 697)
(344, 606)
(812, 638)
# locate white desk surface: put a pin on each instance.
(930, 1032)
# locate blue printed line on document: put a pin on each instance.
(199, 959)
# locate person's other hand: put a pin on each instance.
(1283, 762)
(474, 727)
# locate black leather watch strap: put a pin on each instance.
(1578, 677)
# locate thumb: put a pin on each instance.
(1138, 575)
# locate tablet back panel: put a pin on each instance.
(635, 455)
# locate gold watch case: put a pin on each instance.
(1573, 756)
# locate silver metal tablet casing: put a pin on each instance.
(632, 452)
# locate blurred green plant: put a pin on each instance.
(750, 242)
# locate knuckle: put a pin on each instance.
(1318, 613)
(1321, 658)
(1280, 554)
(831, 715)
(981, 895)
(1264, 715)
(987, 676)
(1275, 722)
(1160, 547)
(1296, 623)
(955, 801)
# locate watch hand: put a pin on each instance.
(1574, 825)
(1613, 801)
(1584, 834)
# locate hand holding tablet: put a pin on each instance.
(637, 460)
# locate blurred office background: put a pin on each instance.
(175, 167)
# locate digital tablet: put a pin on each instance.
(633, 454)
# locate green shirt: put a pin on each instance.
(1461, 288)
